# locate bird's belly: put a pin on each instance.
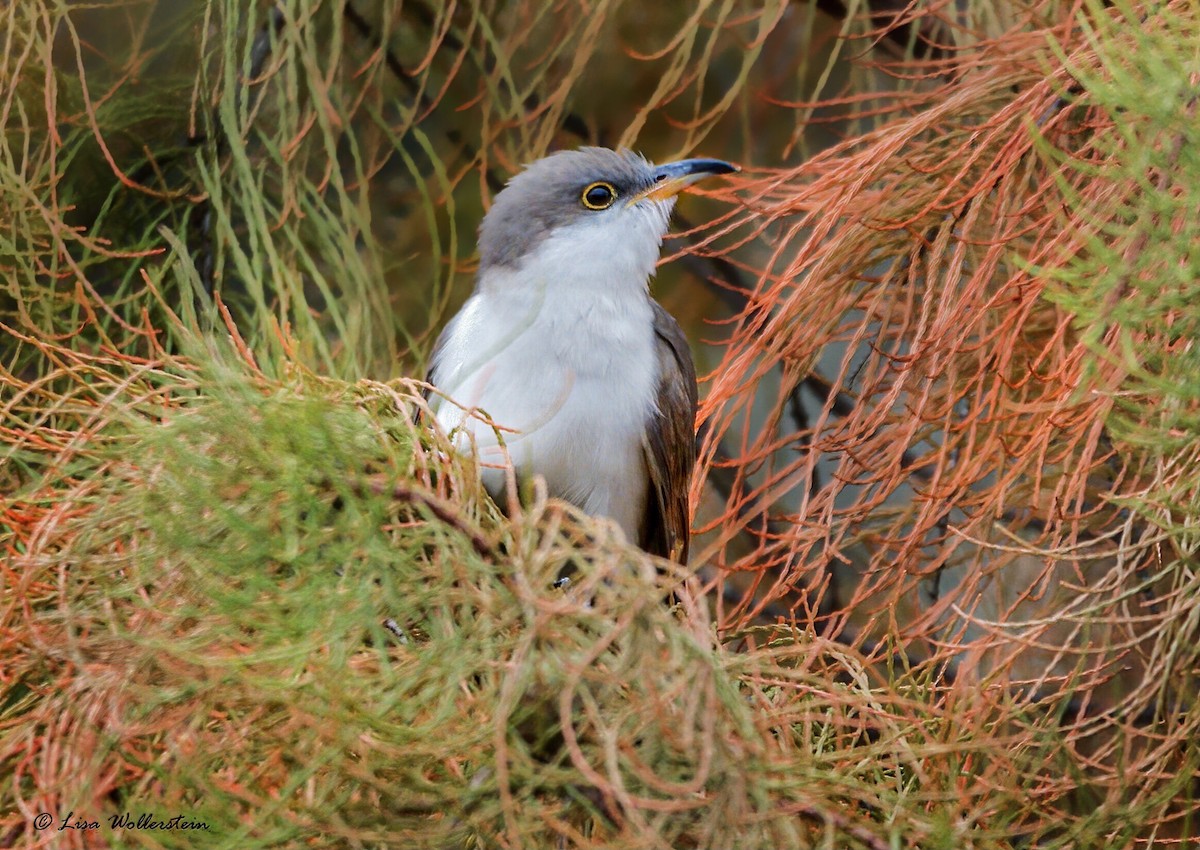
(578, 425)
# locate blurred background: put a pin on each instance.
(944, 317)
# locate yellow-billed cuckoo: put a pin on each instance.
(562, 345)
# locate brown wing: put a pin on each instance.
(669, 444)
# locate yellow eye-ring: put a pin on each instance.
(599, 196)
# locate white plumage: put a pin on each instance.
(562, 352)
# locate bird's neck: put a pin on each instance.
(565, 269)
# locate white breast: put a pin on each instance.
(566, 360)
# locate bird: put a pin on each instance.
(588, 378)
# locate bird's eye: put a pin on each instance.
(599, 196)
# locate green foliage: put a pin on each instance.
(275, 628)
(246, 583)
(1134, 284)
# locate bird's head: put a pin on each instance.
(591, 211)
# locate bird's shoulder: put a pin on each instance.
(438, 356)
(672, 341)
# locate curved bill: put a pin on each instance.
(674, 177)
